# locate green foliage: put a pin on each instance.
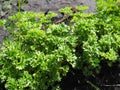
(38, 53)
(98, 36)
(70, 10)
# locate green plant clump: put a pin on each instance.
(38, 53)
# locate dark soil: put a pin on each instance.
(109, 77)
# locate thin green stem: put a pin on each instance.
(19, 5)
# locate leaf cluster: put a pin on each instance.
(38, 53)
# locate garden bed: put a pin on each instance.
(107, 79)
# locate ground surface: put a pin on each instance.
(38, 6)
(54, 5)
